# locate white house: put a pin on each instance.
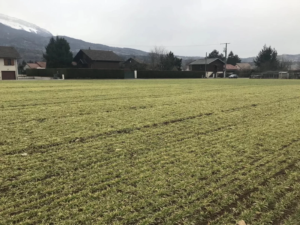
(8, 63)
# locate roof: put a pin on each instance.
(244, 66)
(205, 61)
(135, 59)
(231, 67)
(9, 52)
(33, 65)
(99, 55)
(42, 64)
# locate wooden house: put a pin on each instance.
(97, 59)
(213, 66)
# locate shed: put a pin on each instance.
(283, 75)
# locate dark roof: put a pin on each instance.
(202, 61)
(9, 52)
(135, 59)
(99, 55)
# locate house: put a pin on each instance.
(134, 64)
(244, 69)
(231, 69)
(213, 66)
(37, 65)
(8, 63)
(97, 59)
(244, 66)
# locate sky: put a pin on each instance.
(185, 27)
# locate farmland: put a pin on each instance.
(150, 152)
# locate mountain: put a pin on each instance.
(285, 57)
(23, 26)
(31, 40)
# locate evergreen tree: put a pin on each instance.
(267, 59)
(21, 67)
(169, 61)
(233, 59)
(58, 54)
(215, 54)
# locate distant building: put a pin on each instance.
(134, 64)
(97, 59)
(37, 65)
(244, 66)
(8, 63)
(283, 75)
(213, 66)
(231, 69)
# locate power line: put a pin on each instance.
(163, 45)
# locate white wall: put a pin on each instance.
(8, 68)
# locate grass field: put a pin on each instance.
(150, 152)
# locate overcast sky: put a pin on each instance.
(186, 27)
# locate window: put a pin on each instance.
(9, 62)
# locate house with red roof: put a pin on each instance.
(37, 65)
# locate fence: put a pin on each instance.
(276, 75)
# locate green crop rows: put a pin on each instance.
(150, 152)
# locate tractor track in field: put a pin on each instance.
(289, 211)
(247, 194)
(241, 197)
(130, 130)
(244, 196)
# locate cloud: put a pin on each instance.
(177, 25)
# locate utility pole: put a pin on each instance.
(205, 65)
(225, 57)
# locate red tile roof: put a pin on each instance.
(231, 67)
(33, 65)
(42, 64)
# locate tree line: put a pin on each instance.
(58, 55)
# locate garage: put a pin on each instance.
(8, 75)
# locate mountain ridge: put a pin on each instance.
(30, 40)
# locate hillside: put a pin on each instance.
(30, 40)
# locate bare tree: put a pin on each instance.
(155, 57)
(285, 65)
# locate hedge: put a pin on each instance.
(44, 73)
(78, 73)
(111, 74)
(148, 74)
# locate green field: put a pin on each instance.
(150, 152)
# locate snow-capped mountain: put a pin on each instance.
(23, 25)
(31, 40)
